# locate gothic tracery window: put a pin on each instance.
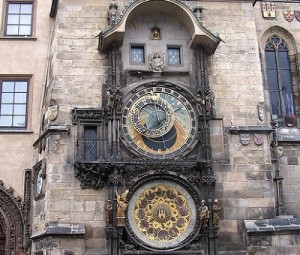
(279, 77)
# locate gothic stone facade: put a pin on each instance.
(149, 127)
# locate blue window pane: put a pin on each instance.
(284, 61)
(26, 8)
(13, 19)
(21, 86)
(8, 86)
(271, 59)
(6, 121)
(275, 103)
(7, 98)
(12, 30)
(20, 98)
(288, 102)
(285, 79)
(19, 121)
(25, 30)
(25, 19)
(272, 79)
(7, 109)
(20, 109)
(14, 8)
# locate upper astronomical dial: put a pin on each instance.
(159, 122)
(152, 116)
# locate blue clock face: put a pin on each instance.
(159, 122)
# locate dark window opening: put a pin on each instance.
(90, 143)
(174, 56)
(137, 55)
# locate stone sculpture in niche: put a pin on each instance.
(203, 214)
(216, 212)
(155, 33)
(109, 212)
(260, 113)
(113, 14)
(157, 61)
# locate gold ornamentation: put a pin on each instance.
(162, 213)
(121, 208)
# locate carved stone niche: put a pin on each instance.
(14, 215)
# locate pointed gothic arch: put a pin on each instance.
(14, 225)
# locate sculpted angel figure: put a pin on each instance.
(121, 208)
(157, 61)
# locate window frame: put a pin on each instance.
(5, 19)
(131, 46)
(294, 69)
(26, 115)
(179, 47)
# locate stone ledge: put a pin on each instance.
(65, 230)
(280, 225)
(249, 129)
(50, 130)
(233, 253)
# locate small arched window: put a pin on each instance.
(279, 77)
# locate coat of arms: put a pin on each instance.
(297, 15)
(258, 139)
(245, 138)
(268, 10)
(289, 15)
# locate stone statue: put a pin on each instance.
(114, 101)
(121, 208)
(216, 212)
(203, 214)
(157, 61)
(260, 112)
(109, 212)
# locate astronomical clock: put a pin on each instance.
(159, 122)
(149, 144)
(160, 132)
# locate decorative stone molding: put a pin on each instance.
(249, 129)
(54, 229)
(14, 218)
(50, 130)
(199, 34)
(87, 114)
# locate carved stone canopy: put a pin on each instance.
(200, 36)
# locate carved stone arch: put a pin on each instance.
(12, 221)
(288, 37)
(198, 33)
